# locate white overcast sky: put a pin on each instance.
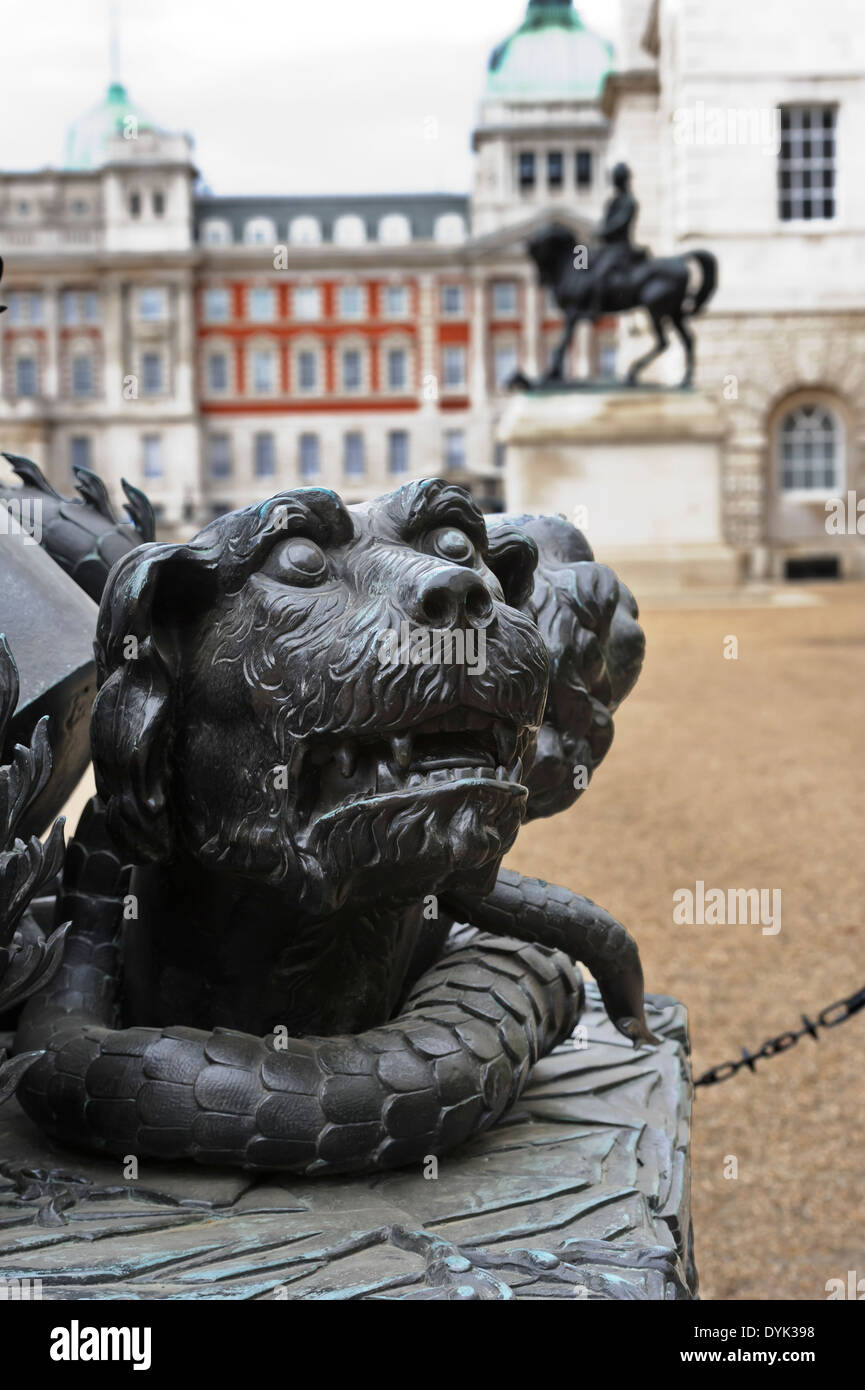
(281, 96)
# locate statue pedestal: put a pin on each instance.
(639, 470)
(582, 1192)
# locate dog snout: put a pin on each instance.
(453, 598)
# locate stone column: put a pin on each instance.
(50, 383)
(583, 343)
(479, 384)
(531, 346)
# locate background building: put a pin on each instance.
(214, 349)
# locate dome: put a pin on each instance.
(552, 56)
(87, 138)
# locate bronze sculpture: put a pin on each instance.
(306, 825)
(616, 276)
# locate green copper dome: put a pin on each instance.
(87, 138)
(552, 56)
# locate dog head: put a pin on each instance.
(588, 619)
(256, 712)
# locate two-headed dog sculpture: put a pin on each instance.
(306, 821)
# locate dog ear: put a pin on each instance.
(512, 556)
(150, 596)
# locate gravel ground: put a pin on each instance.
(747, 773)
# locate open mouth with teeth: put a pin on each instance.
(457, 747)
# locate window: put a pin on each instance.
(310, 463)
(26, 376)
(69, 306)
(505, 299)
(450, 228)
(217, 371)
(216, 306)
(151, 373)
(505, 360)
(259, 231)
(354, 464)
(90, 306)
(135, 205)
(397, 369)
(607, 358)
(584, 168)
(25, 306)
(152, 305)
(79, 207)
(23, 208)
(263, 374)
(811, 449)
(452, 300)
(307, 302)
(307, 371)
(82, 375)
(455, 450)
(555, 169)
(262, 304)
(397, 451)
(396, 302)
(806, 163)
(526, 170)
(219, 455)
(454, 359)
(305, 231)
(352, 302)
(152, 449)
(80, 453)
(216, 232)
(394, 230)
(158, 204)
(500, 454)
(351, 370)
(265, 455)
(349, 230)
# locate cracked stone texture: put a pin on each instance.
(582, 1191)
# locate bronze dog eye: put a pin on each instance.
(298, 561)
(452, 545)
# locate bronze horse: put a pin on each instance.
(658, 284)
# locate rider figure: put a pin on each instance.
(617, 250)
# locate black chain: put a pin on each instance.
(828, 1018)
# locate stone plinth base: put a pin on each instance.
(582, 1192)
(640, 471)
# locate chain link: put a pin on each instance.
(829, 1017)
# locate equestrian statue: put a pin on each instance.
(616, 276)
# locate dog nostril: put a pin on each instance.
(436, 607)
(450, 598)
(479, 606)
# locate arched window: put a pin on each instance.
(215, 232)
(395, 229)
(450, 228)
(304, 231)
(349, 230)
(811, 448)
(259, 231)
